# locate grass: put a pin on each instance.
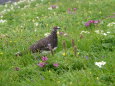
(21, 30)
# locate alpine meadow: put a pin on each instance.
(81, 31)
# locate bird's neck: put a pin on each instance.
(54, 33)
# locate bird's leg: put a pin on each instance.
(64, 45)
(50, 48)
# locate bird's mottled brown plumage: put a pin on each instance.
(42, 44)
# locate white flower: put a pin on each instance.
(35, 30)
(1, 16)
(65, 34)
(37, 17)
(84, 32)
(46, 34)
(18, 7)
(50, 8)
(6, 5)
(36, 24)
(2, 21)
(100, 64)
(53, 7)
(97, 31)
(108, 32)
(104, 34)
(15, 3)
(111, 24)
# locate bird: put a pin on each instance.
(48, 43)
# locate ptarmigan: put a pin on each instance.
(44, 44)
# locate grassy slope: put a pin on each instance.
(73, 71)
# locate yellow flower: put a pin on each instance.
(1, 53)
(100, 12)
(90, 12)
(97, 78)
(78, 53)
(58, 32)
(49, 71)
(46, 24)
(40, 61)
(58, 81)
(70, 83)
(10, 41)
(48, 2)
(64, 54)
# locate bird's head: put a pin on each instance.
(56, 28)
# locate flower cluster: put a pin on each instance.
(111, 24)
(100, 64)
(73, 11)
(53, 7)
(16, 5)
(102, 32)
(2, 21)
(91, 22)
(44, 62)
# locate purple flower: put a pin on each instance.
(53, 6)
(41, 64)
(17, 68)
(87, 57)
(87, 24)
(55, 64)
(44, 58)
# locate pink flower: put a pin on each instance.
(44, 58)
(74, 9)
(55, 64)
(97, 21)
(41, 64)
(91, 22)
